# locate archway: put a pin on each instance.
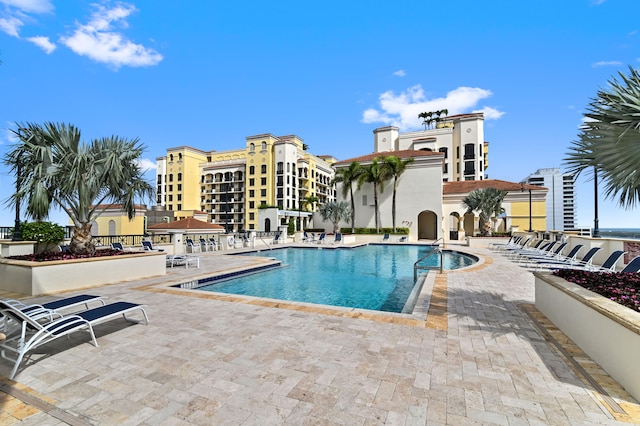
(427, 225)
(267, 225)
(454, 226)
(469, 224)
(112, 227)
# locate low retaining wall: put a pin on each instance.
(605, 330)
(36, 278)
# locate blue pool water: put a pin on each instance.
(376, 277)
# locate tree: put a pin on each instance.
(335, 211)
(609, 140)
(488, 202)
(310, 200)
(56, 168)
(395, 168)
(348, 176)
(376, 174)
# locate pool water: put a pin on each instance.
(376, 277)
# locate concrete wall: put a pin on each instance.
(606, 331)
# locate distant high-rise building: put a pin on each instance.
(561, 205)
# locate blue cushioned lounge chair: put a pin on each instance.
(33, 333)
(633, 266)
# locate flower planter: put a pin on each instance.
(605, 330)
(35, 278)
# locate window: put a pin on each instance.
(263, 146)
(469, 152)
(170, 197)
(179, 176)
(263, 192)
(171, 177)
(159, 179)
(457, 152)
(252, 170)
(251, 216)
(179, 156)
(263, 169)
(179, 197)
(170, 187)
(179, 187)
(252, 205)
(252, 182)
(170, 206)
(252, 147)
(251, 193)
(251, 226)
(179, 206)
(279, 168)
(171, 157)
(263, 181)
(444, 151)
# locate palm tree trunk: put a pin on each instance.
(81, 240)
(393, 204)
(353, 212)
(377, 211)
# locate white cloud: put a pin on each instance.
(30, 6)
(145, 164)
(606, 64)
(44, 43)
(99, 41)
(399, 73)
(11, 25)
(402, 109)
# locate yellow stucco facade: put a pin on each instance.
(520, 215)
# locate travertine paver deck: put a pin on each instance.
(478, 358)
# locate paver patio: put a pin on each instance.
(479, 358)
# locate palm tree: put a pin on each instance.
(348, 176)
(335, 211)
(56, 168)
(395, 168)
(376, 174)
(488, 202)
(609, 140)
(311, 200)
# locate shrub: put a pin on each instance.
(623, 288)
(291, 227)
(50, 256)
(399, 231)
(42, 232)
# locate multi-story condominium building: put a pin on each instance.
(561, 206)
(230, 186)
(460, 138)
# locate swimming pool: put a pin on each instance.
(375, 277)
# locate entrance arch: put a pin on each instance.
(427, 225)
(267, 225)
(454, 226)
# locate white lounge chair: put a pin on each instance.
(32, 333)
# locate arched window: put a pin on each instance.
(170, 157)
(179, 177)
(264, 146)
(112, 227)
(179, 156)
(252, 147)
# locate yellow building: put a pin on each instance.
(114, 222)
(230, 186)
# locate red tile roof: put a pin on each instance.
(466, 186)
(400, 154)
(188, 224)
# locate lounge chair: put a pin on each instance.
(385, 238)
(321, 238)
(403, 239)
(32, 333)
(633, 266)
(117, 246)
(182, 259)
(570, 259)
(277, 238)
(585, 263)
(217, 245)
(206, 244)
(338, 238)
(550, 253)
(192, 246)
(306, 238)
(609, 265)
(149, 247)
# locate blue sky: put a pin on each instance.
(209, 73)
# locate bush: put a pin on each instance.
(291, 227)
(42, 232)
(621, 287)
(50, 256)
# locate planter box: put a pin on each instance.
(605, 330)
(36, 278)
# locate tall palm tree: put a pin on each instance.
(348, 176)
(486, 201)
(57, 168)
(335, 211)
(395, 168)
(609, 140)
(376, 174)
(308, 200)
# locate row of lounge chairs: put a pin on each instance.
(311, 238)
(27, 327)
(549, 255)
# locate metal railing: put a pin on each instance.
(435, 250)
